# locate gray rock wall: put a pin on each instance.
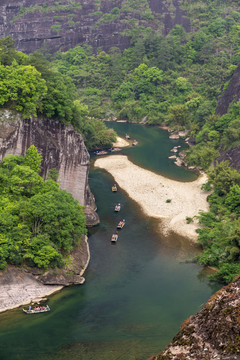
(61, 147)
(231, 95)
(37, 29)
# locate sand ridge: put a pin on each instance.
(151, 191)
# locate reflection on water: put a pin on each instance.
(136, 295)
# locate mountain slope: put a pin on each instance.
(65, 24)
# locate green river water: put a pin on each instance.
(137, 292)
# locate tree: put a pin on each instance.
(7, 51)
(22, 86)
(38, 221)
(233, 199)
(176, 114)
(33, 159)
(223, 177)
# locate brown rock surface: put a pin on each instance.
(211, 334)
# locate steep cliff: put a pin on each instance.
(62, 148)
(65, 24)
(232, 94)
(213, 333)
(232, 155)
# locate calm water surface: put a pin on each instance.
(137, 292)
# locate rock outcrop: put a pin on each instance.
(62, 148)
(232, 155)
(211, 334)
(230, 95)
(64, 24)
(21, 286)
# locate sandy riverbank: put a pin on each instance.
(19, 288)
(120, 142)
(151, 191)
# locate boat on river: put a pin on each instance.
(114, 238)
(102, 152)
(121, 224)
(114, 188)
(134, 143)
(37, 310)
(117, 207)
(127, 137)
(115, 149)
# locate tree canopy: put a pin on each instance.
(39, 222)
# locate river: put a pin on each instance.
(137, 292)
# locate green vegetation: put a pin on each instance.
(30, 84)
(220, 234)
(40, 224)
(56, 27)
(173, 80)
(176, 80)
(45, 9)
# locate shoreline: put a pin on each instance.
(168, 200)
(120, 142)
(24, 289)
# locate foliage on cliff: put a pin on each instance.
(30, 85)
(39, 223)
(174, 80)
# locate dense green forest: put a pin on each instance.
(30, 84)
(174, 80)
(219, 234)
(40, 224)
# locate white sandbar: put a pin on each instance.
(151, 191)
(120, 142)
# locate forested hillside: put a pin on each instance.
(30, 85)
(175, 80)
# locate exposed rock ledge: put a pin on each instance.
(62, 148)
(20, 286)
(213, 333)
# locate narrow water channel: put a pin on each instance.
(137, 292)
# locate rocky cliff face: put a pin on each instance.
(62, 148)
(232, 155)
(64, 24)
(211, 334)
(232, 93)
